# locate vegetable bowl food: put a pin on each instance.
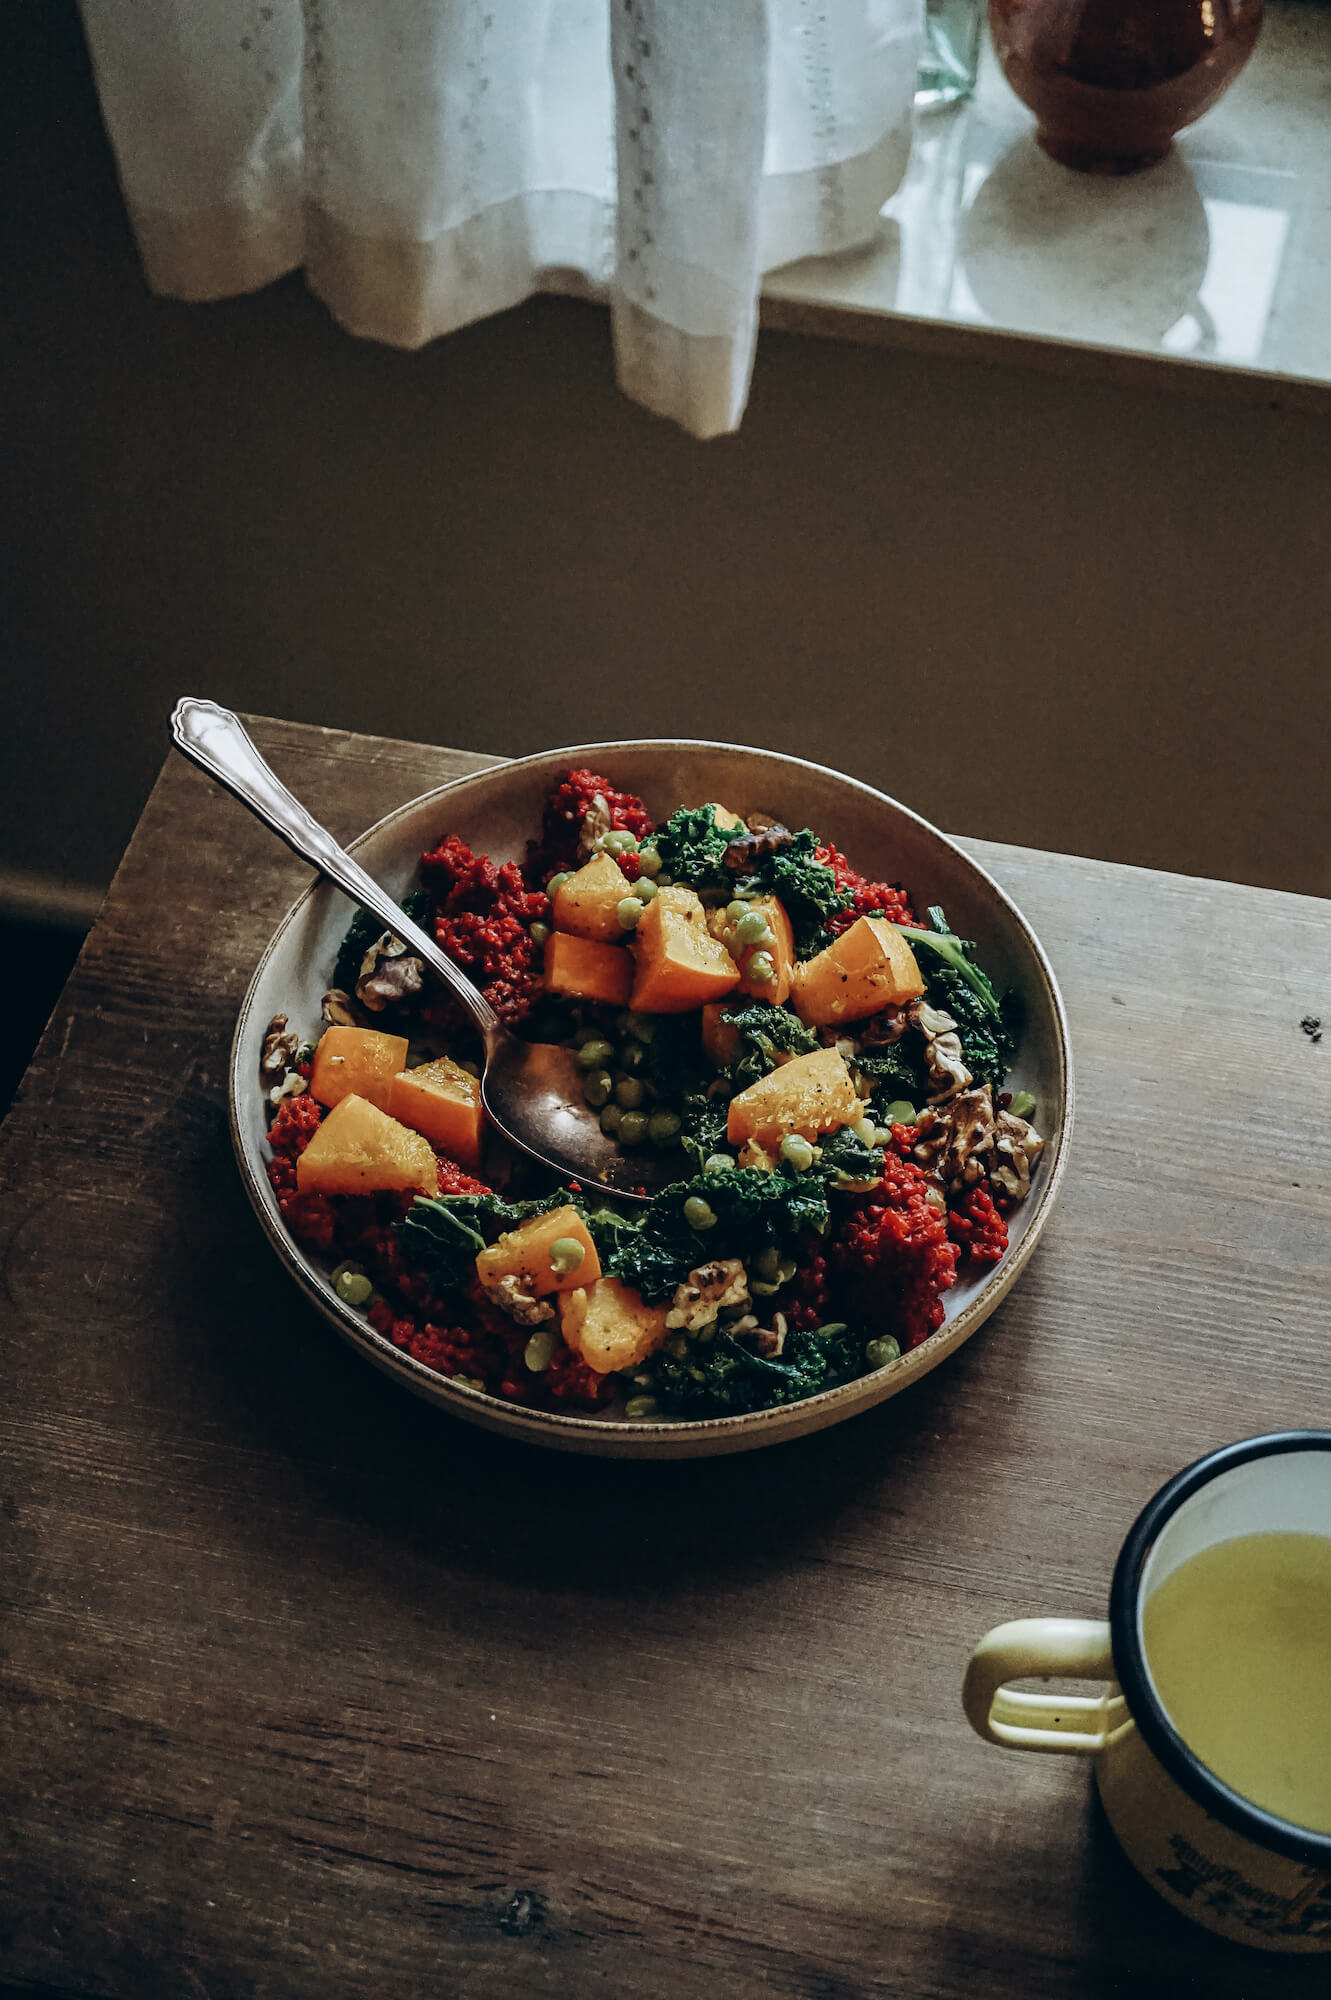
(858, 1115)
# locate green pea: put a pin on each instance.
(354, 1288)
(539, 1351)
(540, 933)
(899, 1112)
(595, 1055)
(628, 910)
(628, 1093)
(717, 1163)
(865, 1132)
(649, 860)
(644, 889)
(663, 878)
(641, 1026)
(797, 1152)
(611, 1119)
(736, 910)
(555, 884)
(761, 968)
(633, 1128)
(752, 928)
(663, 1127)
(1022, 1105)
(785, 1270)
(566, 1253)
(588, 1033)
(620, 841)
(762, 1289)
(342, 1270)
(640, 1406)
(767, 1262)
(879, 1352)
(632, 1057)
(698, 1213)
(598, 1089)
(469, 1382)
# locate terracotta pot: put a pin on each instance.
(1112, 81)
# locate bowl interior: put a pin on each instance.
(497, 812)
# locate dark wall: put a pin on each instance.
(1050, 610)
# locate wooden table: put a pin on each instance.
(311, 1690)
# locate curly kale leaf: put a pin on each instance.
(807, 888)
(442, 1235)
(365, 930)
(989, 1027)
(753, 1210)
(846, 1161)
(771, 1027)
(988, 1044)
(733, 1379)
(692, 846)
(896, 1070)
(704, 1132)
(765, 1031)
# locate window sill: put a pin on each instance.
(1213, 269)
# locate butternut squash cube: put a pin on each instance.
(586, 904)
(720, 1039)
(782, 953)
(524, 1254)
(585, 970)
(442, 1101)
(680, 965)
(359, 1149)
(809, 1095)
(869, 967)
(728, 821)
(358, 1062)
(609, 1325)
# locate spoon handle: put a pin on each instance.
(214, 739)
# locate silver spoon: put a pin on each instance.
(532, 1091)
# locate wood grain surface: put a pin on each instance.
(309, 1690)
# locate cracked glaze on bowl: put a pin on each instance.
(497, 811)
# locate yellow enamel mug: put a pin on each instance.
(1228, 1863)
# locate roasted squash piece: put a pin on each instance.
(781, 953)
(728, 821)
(524, 1254)
(586, 903)
(679, 964)
(359, 1149)
(586, 970)
(443, 1101)
(809, 1095)
(869, 967)
(609, 1325)
(358, 1062)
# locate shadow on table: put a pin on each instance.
(259, 1363)
(1083, 1915)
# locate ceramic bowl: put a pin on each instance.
(496, 811)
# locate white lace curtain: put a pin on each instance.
(429, 162)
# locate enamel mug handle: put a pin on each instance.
(1038, 1649)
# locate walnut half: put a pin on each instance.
(388, 974)
(706, 1291)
